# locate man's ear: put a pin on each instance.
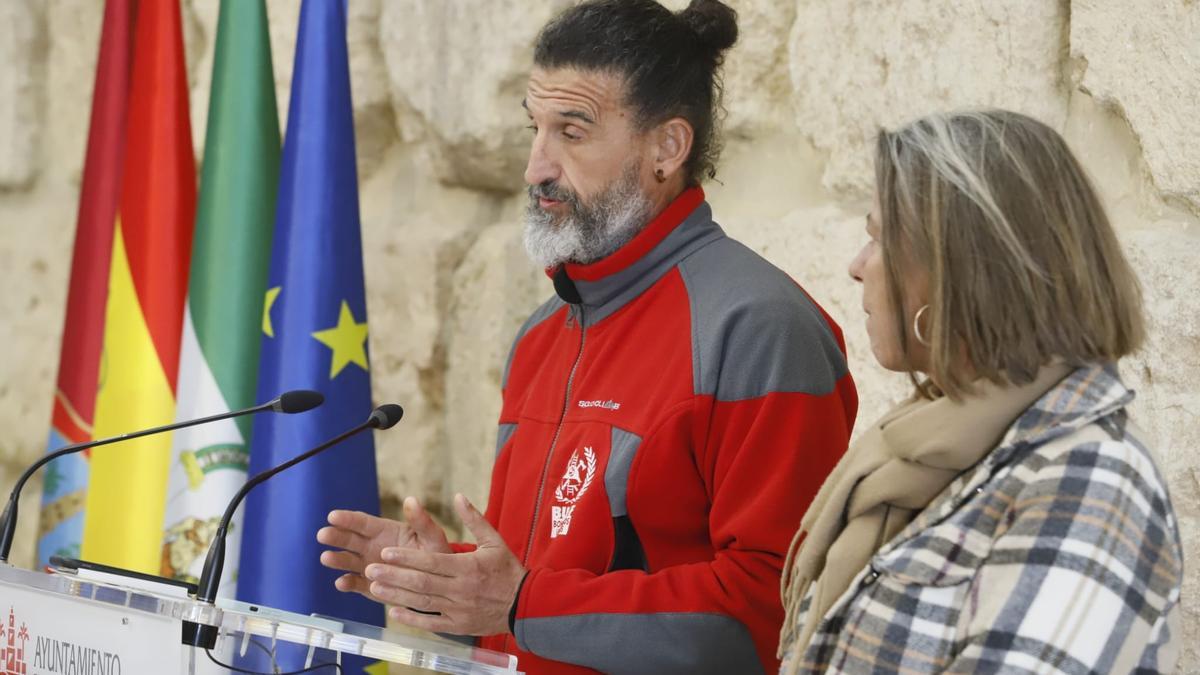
(674, 145)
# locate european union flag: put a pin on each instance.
(315, 327)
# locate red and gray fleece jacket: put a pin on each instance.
(666, 421)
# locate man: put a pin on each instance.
(667, 417)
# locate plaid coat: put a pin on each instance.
(1057, 553)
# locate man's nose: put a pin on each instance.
(541, 167)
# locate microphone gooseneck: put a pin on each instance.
(383, 417)
(287, 403)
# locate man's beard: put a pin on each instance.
(589, 231)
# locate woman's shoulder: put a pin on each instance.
(1109, 451)
(1094, 498)
(1073, 474)
(1097, 484)
(1079, 437)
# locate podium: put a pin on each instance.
(63, 623)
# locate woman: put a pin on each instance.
(1007, 517)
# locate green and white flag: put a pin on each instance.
(223, 321)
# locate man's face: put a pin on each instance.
(586, 167)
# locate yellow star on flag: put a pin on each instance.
(272, 296)
(377, 668)
(347, 339)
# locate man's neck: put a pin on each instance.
(662, 195)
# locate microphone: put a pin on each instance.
(288, 403)
(384, 417)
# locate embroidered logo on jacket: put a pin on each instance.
(607, 405)
(575, 482)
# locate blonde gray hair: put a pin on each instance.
(1023, 264)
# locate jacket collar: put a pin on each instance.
(1089, 393)
(603, 287)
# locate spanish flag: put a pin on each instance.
(148, 279)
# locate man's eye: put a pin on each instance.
(570, 136)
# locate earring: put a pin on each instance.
(660, 176)
(917, 325)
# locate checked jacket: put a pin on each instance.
(1058, 553)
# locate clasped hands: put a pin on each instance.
(411, 566)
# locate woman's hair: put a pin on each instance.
(1023, 264)
(670, 62)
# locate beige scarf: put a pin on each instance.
(885, 479)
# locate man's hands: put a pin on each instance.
(473, 592)
(363, 537)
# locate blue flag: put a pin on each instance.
(315, 326)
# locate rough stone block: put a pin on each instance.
(416, 234)
(757, 88)
(407, 299)
(858, 66)
(458, 72)
(1147, 65)
(1165, 374)
(494, 291)
(36, 260)
(70, 74)
(22, 51)
(374, 120)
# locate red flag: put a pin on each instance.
(83, 328)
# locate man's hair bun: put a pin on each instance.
(714, 22)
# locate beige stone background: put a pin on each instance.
(441, 147)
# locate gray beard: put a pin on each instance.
(589, 232)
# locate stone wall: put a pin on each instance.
(437, 86)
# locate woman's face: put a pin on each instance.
(868, 269)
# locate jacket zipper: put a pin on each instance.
(537, 505)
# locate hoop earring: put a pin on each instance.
(660, 176)
(917, 326)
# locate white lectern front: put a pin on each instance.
(53, 623)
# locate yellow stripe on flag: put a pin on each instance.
(126, 494)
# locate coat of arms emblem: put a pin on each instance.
(575, 482)
(12, 646)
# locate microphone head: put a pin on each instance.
(386, 416)
(297, 401)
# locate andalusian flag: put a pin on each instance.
(144, 315)
(65, 485)
(222, 330)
